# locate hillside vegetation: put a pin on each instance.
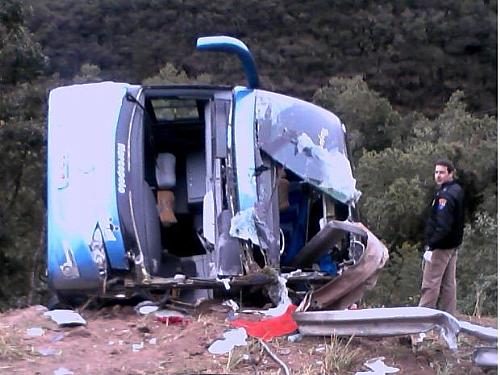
(415, 53)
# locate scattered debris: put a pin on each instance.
(486, 357)
(146, 307)
(168, 313)
(232, 338)
(57, 337)
(180, 278)
(65, 318)
(47, 352)
(137, 347)
(145, 310)
(226, 283)
(173, 320)
(377, 367)
(35, 331)
(63, 371)
(295, 337)
(230, 303)
(275, 358)
(266, 329)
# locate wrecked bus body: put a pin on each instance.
(196, 188)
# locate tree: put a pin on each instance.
(21, 58)
(22, 151)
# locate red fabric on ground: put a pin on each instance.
(266, 329)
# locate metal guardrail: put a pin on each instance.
(398, 321)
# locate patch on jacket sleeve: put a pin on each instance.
(441, 203)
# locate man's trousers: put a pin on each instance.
(439, 281)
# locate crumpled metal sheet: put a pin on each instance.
(349, 287)
(390, 321)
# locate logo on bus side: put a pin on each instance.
(120, 169)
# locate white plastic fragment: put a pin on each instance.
(284, 302)
(152, 341)
(35, 331)
(180, 277)
(377, 367)
(63, 371)
(47, 352)
(65, 317)
(232, 338)
(137, 347)
(145, 310)
(230, 303)
(295, 337)
(145, 307)
(227, 286)
(57, 337)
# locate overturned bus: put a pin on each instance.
(197, 189)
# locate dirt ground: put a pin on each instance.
(117, 340)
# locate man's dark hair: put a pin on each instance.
(445, 163)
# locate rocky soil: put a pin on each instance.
(118, 340)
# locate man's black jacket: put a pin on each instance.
(445, 227)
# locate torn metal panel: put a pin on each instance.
(379, 322)
(307, 140)
(228, 249)
(265, 234)
(486, 357)
(349, 287)
(267, 208)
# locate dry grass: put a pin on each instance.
(11, 347)
(339, 356)
(246, 356)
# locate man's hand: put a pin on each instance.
(428, 256)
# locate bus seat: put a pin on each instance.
(166, 181)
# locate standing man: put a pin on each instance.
(443, 235)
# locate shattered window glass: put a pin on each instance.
(308, 140)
